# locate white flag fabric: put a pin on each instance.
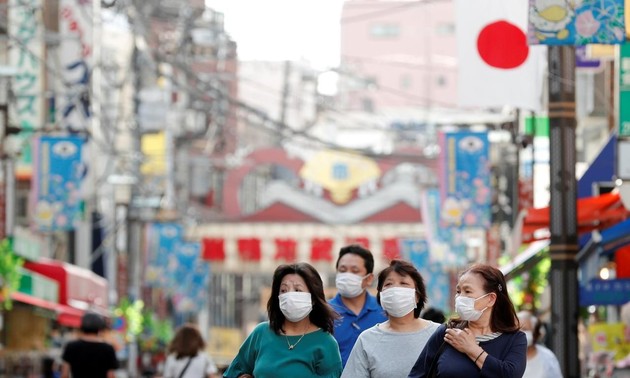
(496, 66)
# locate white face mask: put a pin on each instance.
(295, 305)
(349, 285)
(465, 307)
(398, 301)
(530, 337)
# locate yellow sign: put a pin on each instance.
(341, 174)
(154, 150)
(223, 344)
(609, 337)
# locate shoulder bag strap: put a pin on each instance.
(432, 369)
(181, 374)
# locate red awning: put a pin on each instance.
(34, 301)
(66, 315)
(69, 316)
(593, 213)
(79, 288)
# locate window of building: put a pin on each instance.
(445, 29)
(340, 171)
(441, 81)
(384, 30)
(367, 105)
(406, 81)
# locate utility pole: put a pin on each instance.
(563, 210)
(286, 89)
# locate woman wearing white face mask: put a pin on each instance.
(541, 362)
(389, 349)
(485, 340)
(297, 340)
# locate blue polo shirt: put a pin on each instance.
(350, 326)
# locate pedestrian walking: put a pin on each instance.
(484, 340)
(186, 355)
(89, 356)
(297, 340)
(357, 308)
(390, 349)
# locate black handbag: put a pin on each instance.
(433, 368)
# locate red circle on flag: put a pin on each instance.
(502, 45)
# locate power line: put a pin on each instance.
(387, 11)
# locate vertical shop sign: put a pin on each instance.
(75, 58)
(624, 90)
(57, 184)
(26, 27)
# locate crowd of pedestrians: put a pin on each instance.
(356, 334)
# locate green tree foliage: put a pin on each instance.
(10, 273)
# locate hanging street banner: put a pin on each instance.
(436, 278)
(75, 59)
(624, 90)
(161, 239)
(26, 54)
(562, 22)
(465, 179)
(59, 173)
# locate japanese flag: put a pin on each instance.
(496, 66)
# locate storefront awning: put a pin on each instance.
(526, 259)
(593, 213)
(66, 315)
(79, 288)
(615, 237)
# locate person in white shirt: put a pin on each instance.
(187, 358)
(541, 362)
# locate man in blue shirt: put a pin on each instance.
(358, 308)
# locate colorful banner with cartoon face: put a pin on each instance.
(465, 179)
(576, 22)
(57, 196)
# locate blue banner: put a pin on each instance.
(435, 278)
(57, 185)
(605, 292)
(176, 265)
(465, 179)
(191, 277)
(162, 238)
(586, 22)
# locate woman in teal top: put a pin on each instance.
(297, 341)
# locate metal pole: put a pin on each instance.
(562, 210)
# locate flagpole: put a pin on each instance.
(563, 248)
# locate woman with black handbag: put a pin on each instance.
(484, 340)
(187, 358)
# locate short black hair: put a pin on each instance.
(92, 323)
(434, 314)
(361, 251)
(404, 268)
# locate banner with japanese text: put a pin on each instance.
(26, 54)
(75, 61)
(59, 174)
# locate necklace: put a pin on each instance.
(291, 346)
